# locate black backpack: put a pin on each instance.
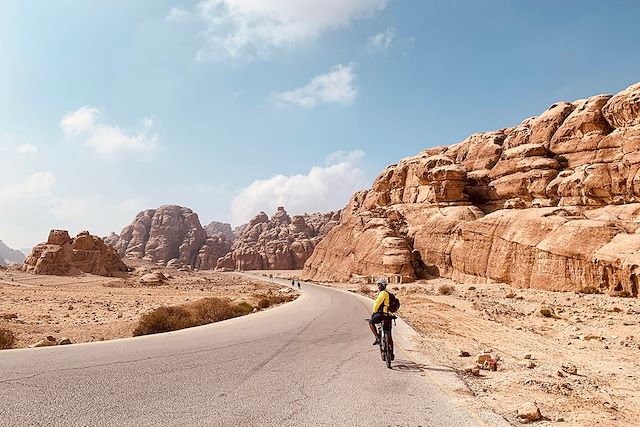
(394, 303)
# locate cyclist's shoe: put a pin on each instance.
(377, 341)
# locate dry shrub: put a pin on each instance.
(590, 290)
(268, 300)
(446, 289)
(7, 339)
(202, 312)
(364, 289)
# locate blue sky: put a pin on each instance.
(235, 106)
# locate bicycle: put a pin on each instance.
(386, 351)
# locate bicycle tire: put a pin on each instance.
(387, 350)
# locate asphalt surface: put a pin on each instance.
(307, 363)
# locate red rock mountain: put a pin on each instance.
(552, 203)
(279, 243)
(62, 255)
(216, 228)
(170, 235)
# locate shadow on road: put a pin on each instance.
(409, 366)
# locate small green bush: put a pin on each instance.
(7, 339)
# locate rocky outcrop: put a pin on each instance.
(10, 256)
(553, 203)
(279, 243)
(62, 255)
(216, 228)
(170, 235)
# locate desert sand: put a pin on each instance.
(89, 308)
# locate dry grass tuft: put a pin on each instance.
(202, 312)
(173, 318)
(590, 290)
(446, 290)
(364, 289)
(7, 339)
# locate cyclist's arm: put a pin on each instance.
(379, 302)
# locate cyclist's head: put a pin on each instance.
(382, 284)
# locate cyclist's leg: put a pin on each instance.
(375, 318)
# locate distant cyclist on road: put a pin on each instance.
(381, 313)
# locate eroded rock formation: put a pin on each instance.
(170, 235)
(62, 255)
(553, 203)
(216, 228)
(279, 243)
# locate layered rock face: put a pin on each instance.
(62, 255)
(553, 203)
(216, 228)
(170, 235)
(279, 243)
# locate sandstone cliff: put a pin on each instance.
(62, 255)
(279, 243)
(553, 203)
(170, 235)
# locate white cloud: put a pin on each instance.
(26, 149)
(71, 208)
(342, 156)
(244, 29)
(336, 86)
(178, 14)
(37, 185)
(323, 189)
(83, 125)
(133, 205)
(381, 41)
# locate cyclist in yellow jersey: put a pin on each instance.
(381, 313)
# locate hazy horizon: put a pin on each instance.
(231, 107)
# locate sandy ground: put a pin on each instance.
(94, 308)
(597, 334)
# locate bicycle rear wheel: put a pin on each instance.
(387, 352)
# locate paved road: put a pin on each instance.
(307, 363)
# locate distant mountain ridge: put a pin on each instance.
(9, 255)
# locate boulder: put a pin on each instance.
(154, 278)
(47, 342)
(528, 412)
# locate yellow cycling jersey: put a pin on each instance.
(382, 302)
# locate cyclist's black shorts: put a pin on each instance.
(381, 318)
